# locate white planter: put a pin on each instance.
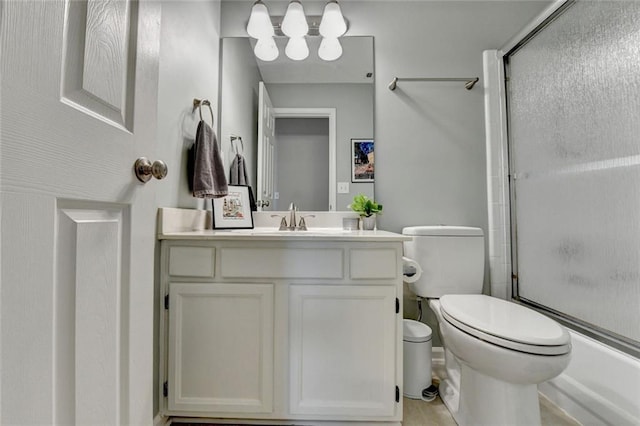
(368, 222)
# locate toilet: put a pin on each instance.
(496, 351)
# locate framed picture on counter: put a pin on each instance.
(233, 211)
(362, 160)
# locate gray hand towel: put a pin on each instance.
(239, 174)
(209, 180)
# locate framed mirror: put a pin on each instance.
(293, 122)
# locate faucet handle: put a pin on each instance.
(283, 222)
(302, 226)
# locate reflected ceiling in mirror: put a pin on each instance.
(354, 66)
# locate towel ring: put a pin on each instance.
(197, 103)
(235, 146)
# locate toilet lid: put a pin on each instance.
(506, 324)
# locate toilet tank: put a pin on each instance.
(451, 257)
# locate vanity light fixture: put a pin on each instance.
(330, 49)
(261, 28)
(259, 25)
(297, 49)
(266, 49)
(333, 24)
(294, 24)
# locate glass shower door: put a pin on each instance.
(574, 134)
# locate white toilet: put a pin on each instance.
(496, 352)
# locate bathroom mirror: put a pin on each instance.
(317, 108)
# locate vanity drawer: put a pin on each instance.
(197, 262)
(282, 262)
(369, 263)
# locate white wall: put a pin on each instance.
(189, 68)
(189, 60)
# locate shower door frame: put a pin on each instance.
(602, 335)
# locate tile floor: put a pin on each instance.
(435, 413)
(420, 413)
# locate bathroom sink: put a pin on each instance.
(309, 232)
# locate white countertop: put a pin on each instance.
(188, 224)
(267, 234)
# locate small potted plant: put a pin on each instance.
(367, 209)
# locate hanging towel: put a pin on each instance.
(209, 180)
(239, 174)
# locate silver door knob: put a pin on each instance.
(144, 169)
(262, 203)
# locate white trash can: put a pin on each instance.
(416, 345)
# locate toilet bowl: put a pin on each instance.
(504, 351)
(496, 351)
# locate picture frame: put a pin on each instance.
(233, 211)
(362, 160)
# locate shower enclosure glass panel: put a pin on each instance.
(573, 96)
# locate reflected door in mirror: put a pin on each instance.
(266, 149)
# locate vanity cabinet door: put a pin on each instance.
(220, 356)
(342, 350)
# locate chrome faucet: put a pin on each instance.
(292, 216)
(283, 222)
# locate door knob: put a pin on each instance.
(144, 169)
(262, 203)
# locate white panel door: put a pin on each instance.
(266, 149)
(342, 350)
(220, 348)
(79, 89)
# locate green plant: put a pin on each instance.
(365, 206)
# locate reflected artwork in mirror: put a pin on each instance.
(297, 120)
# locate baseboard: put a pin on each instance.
(235, 422)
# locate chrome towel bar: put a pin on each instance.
(198, 103)
(469, 82)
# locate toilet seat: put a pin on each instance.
(505, 324)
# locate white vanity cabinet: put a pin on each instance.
(281, 329)
(220, 356)
(342, 351)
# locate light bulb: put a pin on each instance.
(266, 49)
(330, 49)
(294, 24)
(332, 24)
(297, 49)
(259, 25)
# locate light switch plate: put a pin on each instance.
(343, 187)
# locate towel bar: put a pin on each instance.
(198, 103)
(235, 146)
(469, 82)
